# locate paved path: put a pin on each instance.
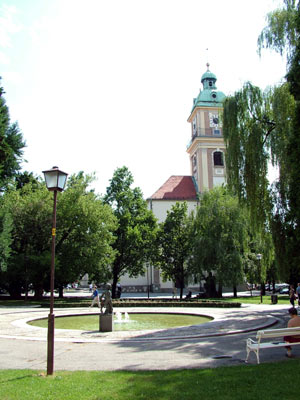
(219, 342)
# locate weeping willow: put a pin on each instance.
(256, 128)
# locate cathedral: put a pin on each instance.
(207, 165)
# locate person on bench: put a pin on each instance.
(294, 322)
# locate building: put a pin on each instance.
(206, 148)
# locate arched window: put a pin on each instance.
(218, 159)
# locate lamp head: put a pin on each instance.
(55, 179)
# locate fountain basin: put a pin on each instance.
(135, 321)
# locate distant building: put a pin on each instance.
(206, 148)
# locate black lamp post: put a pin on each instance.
(55, 181)
(259, 257)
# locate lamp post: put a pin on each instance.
(259, 257)
(148, 284)
(55, 181)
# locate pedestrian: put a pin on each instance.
(294, 322)
(292, 295)
(119, 290)
(298, 293)
(174, 293)
(95, 296)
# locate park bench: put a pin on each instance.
(269, 334)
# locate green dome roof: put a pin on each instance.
(208, 75)
(209, 96)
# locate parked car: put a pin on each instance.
(284, 290)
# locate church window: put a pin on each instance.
(218, 158)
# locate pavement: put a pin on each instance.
(219, 342)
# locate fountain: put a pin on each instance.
(119, 317)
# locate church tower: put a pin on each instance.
(206, 148)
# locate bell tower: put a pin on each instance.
(206, 148)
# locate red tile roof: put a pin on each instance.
(176, 188)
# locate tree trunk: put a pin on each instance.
(220, 290)
(15, 292)
(114, 286)
(263, 288)
(61, 291)
(38, 292)
(234, 291)
(181, 291)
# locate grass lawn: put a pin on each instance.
(282, 299)
(247, 382)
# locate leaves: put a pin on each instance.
(135, 236)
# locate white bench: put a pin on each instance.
(270, 333)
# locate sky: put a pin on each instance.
(100, 84)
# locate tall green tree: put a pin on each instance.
(220, 239)
(175, 244)
(256, 127)
(137, 227)
(11, 152)
(272, 133)
(83, 238)
(11, 145)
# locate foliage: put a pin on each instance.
(280, 33)
(174, 240)
(85, 233)
(11, 145)
(266, 127)
(137, 226)
(220, 238)
(256, 129)
(83, 236)
(5, 236)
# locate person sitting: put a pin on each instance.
(294, 322)
(189, 295)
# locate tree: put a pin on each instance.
(137, 226)
(11, 151)
(11, 145)
(83, 240)
(5, 236)
(256, 127)
(220, 239)
(85, 236)
(266, 126)
(280, 34)
(175, 244)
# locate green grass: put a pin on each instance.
(85, 302)
(282, 299)
(265, 381)
(142, 321)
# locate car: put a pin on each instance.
(284, 290)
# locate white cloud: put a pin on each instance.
(8, 25)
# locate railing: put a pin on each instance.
(205, 132)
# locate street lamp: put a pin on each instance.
(55, 181)
(259, 257)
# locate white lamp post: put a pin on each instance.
(55, 181)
